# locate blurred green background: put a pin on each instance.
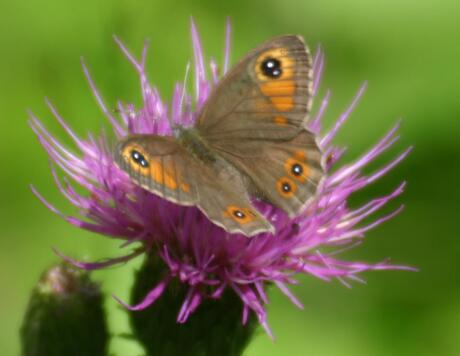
(409, 51)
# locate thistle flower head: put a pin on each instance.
(202, 256)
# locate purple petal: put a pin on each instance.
(150, 298)
(119, 131)
(343, 117)
(89, 266)
(228, 35)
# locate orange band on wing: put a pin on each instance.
(283, 103)
(162, 176)
(297, 169)
(280, 120)
(185, 187)
(280, 94)
(285, 88)
(300, 155)
(159, 172)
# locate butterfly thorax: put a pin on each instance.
(192, 141)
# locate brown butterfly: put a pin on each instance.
(249, 140)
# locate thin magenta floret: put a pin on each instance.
(202, 256)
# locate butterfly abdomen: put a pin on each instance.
(191, 140)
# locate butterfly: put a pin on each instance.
(249, 140)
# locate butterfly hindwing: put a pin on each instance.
(231, 210)
(161, 165)
(267, 95)
(285, 173)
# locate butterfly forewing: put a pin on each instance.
(266, 95)
(160, 165)
(227, 208)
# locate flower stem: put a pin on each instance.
(214, 329)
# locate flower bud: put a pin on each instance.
(65, 316)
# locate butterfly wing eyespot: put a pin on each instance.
(135, 157)
(274, 65)
(160, 172)
(139, 158)
(297, 169)
(271, 67)
(240, 214)
(286, 187)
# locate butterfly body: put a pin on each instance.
(191, 140)
(249, 141)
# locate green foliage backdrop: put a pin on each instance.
(408, 51)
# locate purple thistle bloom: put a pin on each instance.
(204, 257)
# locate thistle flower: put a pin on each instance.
(200, 255)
